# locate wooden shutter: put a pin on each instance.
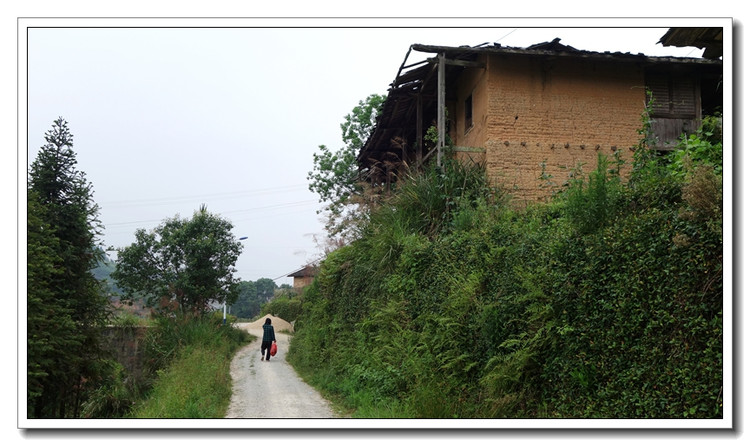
(674, 96)
(658, 84)
(683, 97)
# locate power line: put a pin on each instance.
(188, 198)
(298, 210)
(273, 206)
(498, 40)
(280, 206)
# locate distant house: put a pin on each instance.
(522, 110)
(303, 277)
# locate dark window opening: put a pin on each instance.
(468, 114)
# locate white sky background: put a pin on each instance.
(165, 120)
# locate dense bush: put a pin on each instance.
(604, 302)
(287, 307)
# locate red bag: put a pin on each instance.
(273, 349)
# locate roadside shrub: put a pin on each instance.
(115, 396)
(285, 307)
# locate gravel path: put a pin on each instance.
(271, 389)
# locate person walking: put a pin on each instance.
(269, 337)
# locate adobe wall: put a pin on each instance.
(561, 113)
(518, 167)
(301, 282)
(473, 81)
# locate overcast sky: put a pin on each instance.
(165, 120)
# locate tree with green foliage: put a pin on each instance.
(266, 288)
(183, 266)
(248, 303)
(335, 174)
(286, 306)
(66, 304)
(252, 297)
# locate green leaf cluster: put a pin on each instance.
(335, 176)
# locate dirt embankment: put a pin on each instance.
(278, 324)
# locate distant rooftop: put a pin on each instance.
(307, 271)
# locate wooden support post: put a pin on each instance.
(441, 109)
(420, 142)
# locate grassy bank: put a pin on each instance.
(605, 302)
(191, 361)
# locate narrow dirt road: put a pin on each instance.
(271, 389)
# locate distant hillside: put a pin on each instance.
(103, 272)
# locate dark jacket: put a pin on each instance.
(268, 333)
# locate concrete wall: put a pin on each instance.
(126, 346)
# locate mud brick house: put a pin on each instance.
(303, 277)
(519, 109)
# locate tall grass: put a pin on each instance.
(190, 359)
(197, 384)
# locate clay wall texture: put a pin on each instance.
(301, 282)
(561, 113)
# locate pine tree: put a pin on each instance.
(65, 305)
